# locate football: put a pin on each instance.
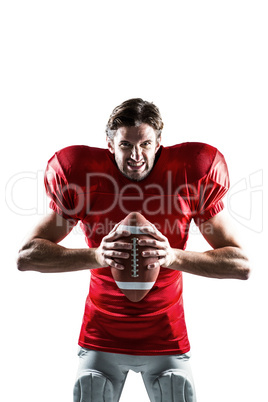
(136, 280)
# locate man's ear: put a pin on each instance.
(110, 145)
(158, 143)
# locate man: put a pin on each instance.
(170, 186)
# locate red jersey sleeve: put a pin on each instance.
(210, 190)
(61, 192)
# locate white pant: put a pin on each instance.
(101, 376)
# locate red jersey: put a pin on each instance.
(188, 181)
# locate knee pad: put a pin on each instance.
(174, 386)
(93, 386)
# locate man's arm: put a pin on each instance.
(226, 260)
(41, 252)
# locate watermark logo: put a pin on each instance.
(29, 186)
(245, 201)
(25, 195)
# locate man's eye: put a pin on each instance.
(125, 144)
(146, 143)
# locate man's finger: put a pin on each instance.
(149, 243)
(117, 234)
(152, 231)
(153, 253)
(116, 254)
(114, 264)
(117, 245)
(154, 265)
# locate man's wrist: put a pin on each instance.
(175, 259)
(94, 258)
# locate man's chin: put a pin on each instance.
(136, 176)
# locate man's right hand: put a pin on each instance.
(41, 251)
(108, 249)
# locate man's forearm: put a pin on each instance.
(45, 256)
(226, 262)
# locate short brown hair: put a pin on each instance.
(133, 112)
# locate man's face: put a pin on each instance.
(134, 149)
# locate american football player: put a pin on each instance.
(170, 186)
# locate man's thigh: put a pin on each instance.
(169, 378)
(99, 377)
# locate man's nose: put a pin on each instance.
(136, 153)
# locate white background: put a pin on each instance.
(64, 66)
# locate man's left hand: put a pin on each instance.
(160, 245)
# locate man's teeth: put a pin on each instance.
(136, 164)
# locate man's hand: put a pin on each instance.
(108, 249)
(226, 260)
(161, 248)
